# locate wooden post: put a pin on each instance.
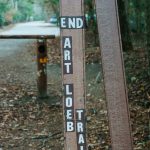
(114, 78)
(41, 59)
(42, 70)
(72, 45)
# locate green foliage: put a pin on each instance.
(90, 13)
(18, 17)
(52, 5)
(136, 15)
(25, 10)
(4, 6)
(15, 10)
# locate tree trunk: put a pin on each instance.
(124, 26)
(138, 16)
(148, 31)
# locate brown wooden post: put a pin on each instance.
(42, 71)
(114, 78)
(41, 59)
(72, 45)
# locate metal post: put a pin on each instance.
(42, 68)
(114, 78)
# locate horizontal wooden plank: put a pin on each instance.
(27, 36)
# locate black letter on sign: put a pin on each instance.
(80, 129)
(73, 22)
(67, 55)
(69, 107)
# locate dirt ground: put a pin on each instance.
(30, 123)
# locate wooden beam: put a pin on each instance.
(27, 36)
(114, 78)
(72, 45)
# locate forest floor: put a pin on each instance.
(30, 123)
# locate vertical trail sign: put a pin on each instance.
(114, 79)
(72, 47)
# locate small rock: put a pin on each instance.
(89, 118)
(58, 104)
(62, 138)
(34, 97)
(89, 84)
(88, 95)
